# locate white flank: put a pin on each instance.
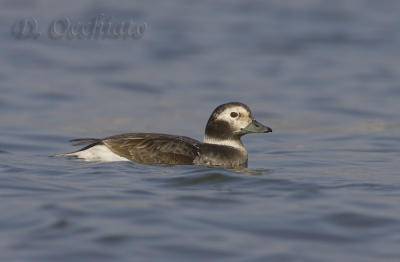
(97, 153)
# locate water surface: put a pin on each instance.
(324, 186)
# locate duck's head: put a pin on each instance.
(229, 122)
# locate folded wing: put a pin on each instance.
(147, 148)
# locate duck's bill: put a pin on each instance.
(256, 127)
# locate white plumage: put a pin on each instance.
(99, 153)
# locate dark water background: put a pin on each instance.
(324, 186)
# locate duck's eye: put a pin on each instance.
(234, 114)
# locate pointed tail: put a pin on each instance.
(90, 142)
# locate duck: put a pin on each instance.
(221, 146)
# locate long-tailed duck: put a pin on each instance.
(221, 145)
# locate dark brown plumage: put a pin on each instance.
(150, 148)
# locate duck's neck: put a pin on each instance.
(220, 132)
(232, 142)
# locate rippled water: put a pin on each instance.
(324, 186)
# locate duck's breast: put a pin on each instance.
(219, 155)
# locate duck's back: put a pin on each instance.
(151, 148)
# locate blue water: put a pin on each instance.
(324, 186)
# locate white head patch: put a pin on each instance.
(237, 116)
